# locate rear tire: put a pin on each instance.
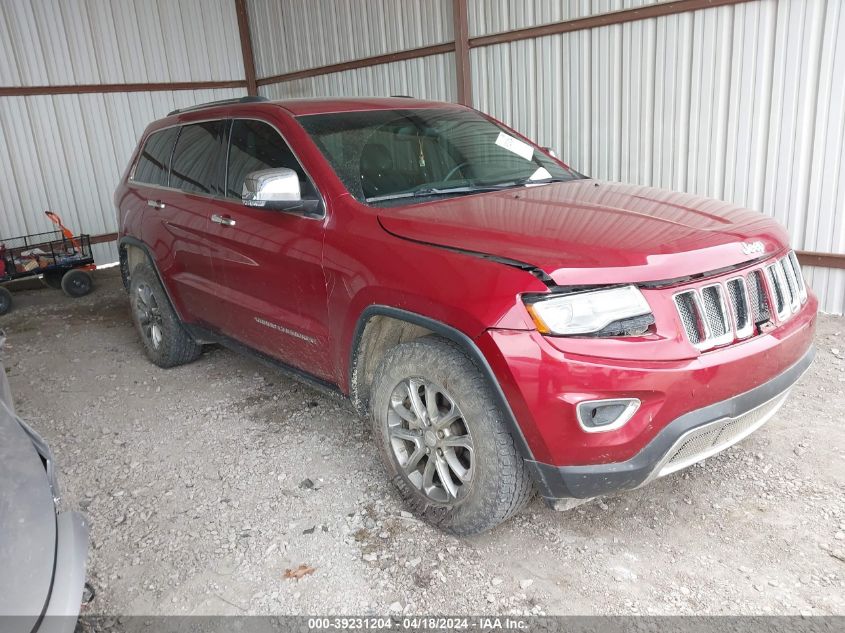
(77, 283)
(166, 341)
(5, 300)
(447, 449)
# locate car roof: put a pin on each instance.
(294, 107)
(300, 107)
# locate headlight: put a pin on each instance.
(611, 312)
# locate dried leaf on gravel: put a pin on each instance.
(300, 572)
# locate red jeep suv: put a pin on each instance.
(506, 323)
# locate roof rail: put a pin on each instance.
(211, 104)
(401, 97)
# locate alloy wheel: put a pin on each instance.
(430, 440)
(149, 315)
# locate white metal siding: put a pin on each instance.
(497, 16)
(291, 35)
(66, 153)
(744, 103)
(431, 77)
(45, 42)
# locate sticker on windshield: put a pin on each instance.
(541, 174)
(523, 150)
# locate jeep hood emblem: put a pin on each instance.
(752, 248)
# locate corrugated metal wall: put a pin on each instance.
(67, 152)
(430, 77)
(290, 35)
(45, 42)
(486, 17)
(744, 103)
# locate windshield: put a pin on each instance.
(394, 156)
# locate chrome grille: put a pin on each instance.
(717, 314)
(758, 298)
(687, 308)
(777, 284)
(799, 278)
(791, 284)
(740, 310)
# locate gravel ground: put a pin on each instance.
(204, 484)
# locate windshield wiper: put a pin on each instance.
(426, 192)
(521, 182)
(434, 191)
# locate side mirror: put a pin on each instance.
(276, 189)
(551, 152)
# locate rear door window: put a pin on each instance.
(197, 160)
(256, 145)
(154, 162)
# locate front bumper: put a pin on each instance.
(69, 576)
(688, 439)
(543, 380)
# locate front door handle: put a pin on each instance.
(225, 220)
(156, 204)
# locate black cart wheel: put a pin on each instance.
(5, 300)
(77, 283)
(53, 279)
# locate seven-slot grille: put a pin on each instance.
(720, 313)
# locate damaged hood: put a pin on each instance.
(589, 232)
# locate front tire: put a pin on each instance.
(443, 439)
(166, 342)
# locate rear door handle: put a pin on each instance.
(225, 220)
(156, 204)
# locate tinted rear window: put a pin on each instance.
(197, 160)
(154, 162)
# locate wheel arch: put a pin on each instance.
(131, 252)
(380, 327)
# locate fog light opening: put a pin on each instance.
(600, 416)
